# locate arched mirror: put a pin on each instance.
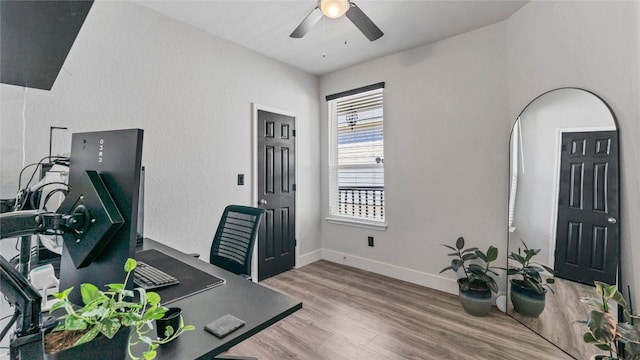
(563, 207)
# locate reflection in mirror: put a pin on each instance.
(563, 201)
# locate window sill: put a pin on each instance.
(375, 225)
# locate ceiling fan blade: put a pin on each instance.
(362, 22)
(314, 16)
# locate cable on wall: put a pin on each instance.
(24, 128)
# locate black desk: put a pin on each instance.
(257, 305)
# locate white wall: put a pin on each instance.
(449, 108)
(542, 125)
(446, 152)
(592, 45)
(192, 94)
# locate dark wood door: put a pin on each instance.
(587, 237)
(276, 193)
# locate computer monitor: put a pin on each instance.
(115, 156)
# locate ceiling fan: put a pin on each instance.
(334, 9)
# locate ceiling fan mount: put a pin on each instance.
(335, 9)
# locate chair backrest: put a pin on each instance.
(234, 240)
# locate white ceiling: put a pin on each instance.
(264, 26)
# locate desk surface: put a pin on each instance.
(257, 305)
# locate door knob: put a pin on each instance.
(262, 202)
(612, 220)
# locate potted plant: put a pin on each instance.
(476, 285)
(605, 332)
(528, 293)
(105, 316)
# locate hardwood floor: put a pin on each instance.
(558, 321)
(353, 314)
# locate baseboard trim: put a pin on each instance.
(394, 271)
(308, 258)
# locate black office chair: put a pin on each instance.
(234, 240)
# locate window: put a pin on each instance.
(356, 155)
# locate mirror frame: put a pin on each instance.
(508, 307)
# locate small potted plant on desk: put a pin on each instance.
(605, 332)
(109, 325)
(528, 293)
(476, 286)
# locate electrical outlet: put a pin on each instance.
(240, 179)
(370, 239)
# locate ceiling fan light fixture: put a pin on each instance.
(334, 8)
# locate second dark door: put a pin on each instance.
(276, 193)
(587, 237)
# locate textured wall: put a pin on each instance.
(592, 45)
(446, 142)
(192, 94)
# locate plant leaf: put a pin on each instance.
(153, 298)
(492, 254)
(492, 285)
(518, 258)
(600, 288)
(460, 243)
(629, 332)
(149, 355)
(618, 298)
(588, 338)
(535, 268)
(96, 312)
(445, 269)
(63, 295)
(145, 339)
(456, 264)
(115, 287)
(548, 269)
(90, 293)
(476, 269)
(481, 255)
(593, 303)
(130, 264)
(533, 285)
(59, 305)
(450, 247)
(469, 256)
(168, 331)
(73, 323)
(602, 325)
(88, 336)
(469, 250)
(109, 327)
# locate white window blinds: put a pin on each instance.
(356, 158)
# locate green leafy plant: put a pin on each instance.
(106, 312)
(530, 270)
(604, 331)
(475, 265)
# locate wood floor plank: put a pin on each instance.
(353, 314)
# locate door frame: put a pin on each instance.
(254, 178)
(556, 185)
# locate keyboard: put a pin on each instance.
(149, 278)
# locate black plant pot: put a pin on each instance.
(100, 348)
(527, 301)
(476, 300)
